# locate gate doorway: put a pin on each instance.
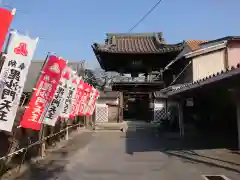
(136, 107)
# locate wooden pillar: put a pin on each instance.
(146, 77)
(120, 106)
(151, 107)
(67, 123)
(180, 118)
(86, 120)
(67, 134)
(41, 137)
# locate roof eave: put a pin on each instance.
(98, 49)
(226, 38)
(207, 80)
(206, 50)
(95, 50)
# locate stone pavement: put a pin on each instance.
(135, 154)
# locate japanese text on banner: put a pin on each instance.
(77, 98)
(70, 88)
(94, 103)
(43, 94)
(91, 101)
(84, 99)
(13, 76)
(57, 103)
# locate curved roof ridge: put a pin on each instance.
(137, 43)
(144, 34)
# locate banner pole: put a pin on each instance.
(5, 52)
(41, 132)
(66, 135)
(40, 135)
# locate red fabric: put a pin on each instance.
(42, 96)
(5, 22)
(21, 49)
(90, 112)
(88, 91)
(76, 98)
(91, 103)
(84, 99)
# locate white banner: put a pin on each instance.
(74, 102)
(70, 90)
(20, 51)
(56, 105)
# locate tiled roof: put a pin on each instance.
(195, 44)
(226, 38)
(136, 43)
(207, 80)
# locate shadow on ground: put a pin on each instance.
(55, 162)
(189, 149)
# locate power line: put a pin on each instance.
(146, 15)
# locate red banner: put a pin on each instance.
(84, 99)
(43, 93)
(91, 101)
(6, 17)
(88, 93)
(78, 97)
(90, 112)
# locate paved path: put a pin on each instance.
(117, 155)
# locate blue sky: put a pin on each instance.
(69, 27)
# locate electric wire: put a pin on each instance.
(145, 16)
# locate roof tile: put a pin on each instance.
(195, 44)
(137, 43)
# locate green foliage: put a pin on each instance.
(90, 78)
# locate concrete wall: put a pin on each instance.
(208, 64)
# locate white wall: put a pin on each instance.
(208, 64)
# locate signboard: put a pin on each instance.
(20, 51)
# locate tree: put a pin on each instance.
(99, 78)
(90, 78)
